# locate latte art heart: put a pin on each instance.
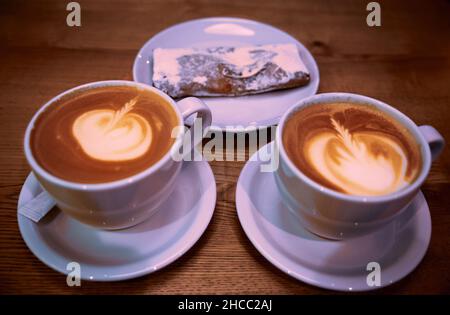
(110, 135)
(104, 133)
(362, 163)
(352, 148)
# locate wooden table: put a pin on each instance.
(405, 62)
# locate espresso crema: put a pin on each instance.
(352, 148)
(103, 134)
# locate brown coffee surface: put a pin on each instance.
(103, 134)
(352, 148)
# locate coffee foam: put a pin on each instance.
(348, 161)
(103, 134)
(352, 149)
(109, 135)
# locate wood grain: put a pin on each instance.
(405, 62)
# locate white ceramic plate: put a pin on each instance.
(129, 253)
(235, 112)
(336, 265)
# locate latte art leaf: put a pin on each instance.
(362, 163)
(110, 135)
(119, 114)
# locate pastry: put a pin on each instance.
(228, 71)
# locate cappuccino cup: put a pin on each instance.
(105, 150)
(350, 164)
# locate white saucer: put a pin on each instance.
(255, 110)
(129, 253)
(336, 265)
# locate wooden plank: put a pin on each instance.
(405, 62)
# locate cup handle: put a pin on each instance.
(434, 139)
(189, 106)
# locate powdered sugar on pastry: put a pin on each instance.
(228, 70)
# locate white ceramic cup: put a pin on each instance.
(125, 202)
(336, 215)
